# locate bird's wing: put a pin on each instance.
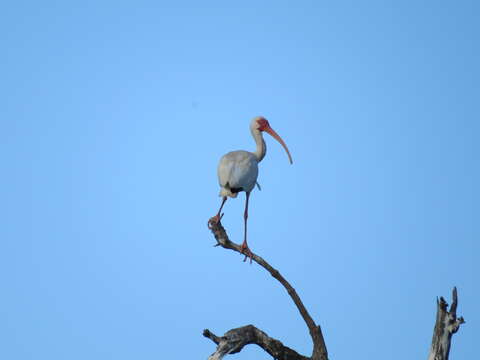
(225, 169)
(258, 185)
(238, 169)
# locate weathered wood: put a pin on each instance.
(446, 325)
(319, 347)
(234, 340)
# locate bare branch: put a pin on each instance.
(234, 340)
(319, 347)
(446, 325)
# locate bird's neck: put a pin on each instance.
(261, 147)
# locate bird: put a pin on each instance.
(238, 171)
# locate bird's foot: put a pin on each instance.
(214, 220)
(246, 251)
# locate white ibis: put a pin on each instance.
(238, 171)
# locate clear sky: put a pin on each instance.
(114, 115)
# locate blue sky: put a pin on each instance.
(115, 114)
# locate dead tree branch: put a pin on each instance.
(234, 340)
(446, 325)
(319, 347)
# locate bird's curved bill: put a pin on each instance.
(279, 139)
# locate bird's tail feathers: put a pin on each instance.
(227, 192)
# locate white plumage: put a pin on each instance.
(238, 171)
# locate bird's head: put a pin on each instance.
(260, 124)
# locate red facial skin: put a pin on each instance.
(263, 125)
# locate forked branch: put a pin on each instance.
(446, 324)
(319, 347)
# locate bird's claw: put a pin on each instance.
(246, 251)
(214, 220)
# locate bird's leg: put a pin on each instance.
(218, 216)
(216, 219)
(245, 248)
